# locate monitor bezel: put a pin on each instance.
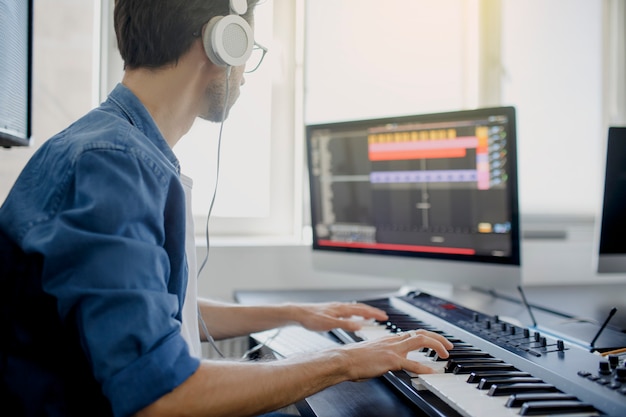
(369, 257)
(10, 138)
(609, 262)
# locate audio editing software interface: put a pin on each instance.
(414, 185)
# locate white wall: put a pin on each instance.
(256, 267)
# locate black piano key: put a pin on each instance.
(508, 389)
(517, 400)
(475, 377)
(487, 383)
(534, 408)
(452, 363)
(463, 355)
(458, 343)
(468, 348)
(468, 368)
(431, 353)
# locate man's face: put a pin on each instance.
(217, 105)
(216, 92)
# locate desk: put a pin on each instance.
(374, 397)
(587, 301)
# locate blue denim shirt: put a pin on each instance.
(101, 203)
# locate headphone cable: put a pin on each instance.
(205, 330)
(217, 172)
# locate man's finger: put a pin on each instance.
(430, 340)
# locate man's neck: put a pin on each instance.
(173, 94)
(167, 97)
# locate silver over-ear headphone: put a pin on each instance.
(228, 40)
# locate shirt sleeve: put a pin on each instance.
(114, 260)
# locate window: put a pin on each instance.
(244, 177)
(396, 58)
(375, 59)
(255, 195)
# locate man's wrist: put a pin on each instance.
(291, 313)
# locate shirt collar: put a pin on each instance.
(139, 117)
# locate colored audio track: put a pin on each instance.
(380, 149)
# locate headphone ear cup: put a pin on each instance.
(228, 40)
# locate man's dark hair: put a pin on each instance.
(154, 33)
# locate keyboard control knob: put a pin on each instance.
(620, 373)
(526, 333)
(560, 345)
(605, 368)
(537, 336)
(614, 361)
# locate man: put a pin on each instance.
(93, 254)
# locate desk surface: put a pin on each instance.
(591, 301)
(376, 399)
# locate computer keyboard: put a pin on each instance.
(291, 340)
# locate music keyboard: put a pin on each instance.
(496, 368)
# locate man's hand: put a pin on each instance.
(328, 316)
(375, 357)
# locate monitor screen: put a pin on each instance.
(15, 72)
(428, 197)
(612, 244)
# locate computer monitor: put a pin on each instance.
(611, 255)
(15, 72)
(424, 198)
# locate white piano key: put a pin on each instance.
(372, 332)
(417, 356)
(465, 398)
